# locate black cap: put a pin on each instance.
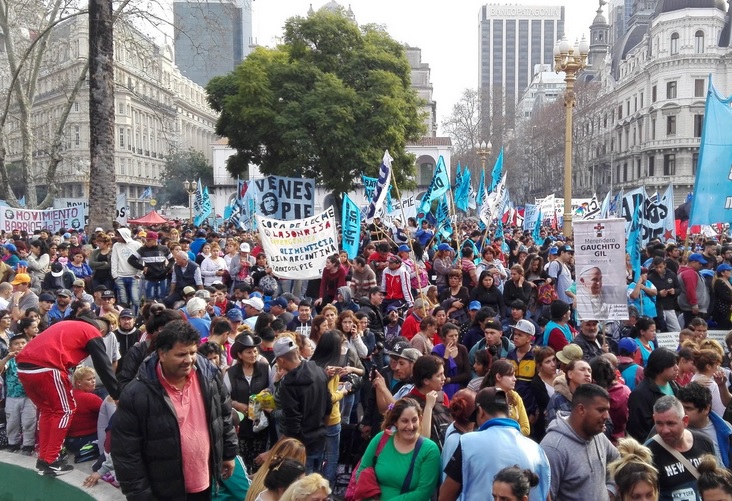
(375, 289)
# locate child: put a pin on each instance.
(20, 413)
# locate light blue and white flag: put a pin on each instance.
(531, 214)
(458, 177)
(462, 192)
(202, 205)
(444, 225)
(439, 185)
(382, 187)
(605, 207)
(350, 227)
(147, 193)
(537, 228)
(634, 245)
(497, 171)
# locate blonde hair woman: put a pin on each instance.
(634, 474)
(310, 488)
(284, 448)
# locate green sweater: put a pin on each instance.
(392, 467)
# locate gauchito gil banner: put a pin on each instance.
(32, 220)
(601, 286)
(285, 198)
(298, 249)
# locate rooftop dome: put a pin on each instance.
(673, 5)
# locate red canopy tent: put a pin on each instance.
(149, 219)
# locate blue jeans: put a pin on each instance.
(128, 292)
(314, 462)
(346, 407)
(332, 451)
(156, 290)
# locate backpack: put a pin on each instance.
(546, 294)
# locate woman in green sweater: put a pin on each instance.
(403, 422)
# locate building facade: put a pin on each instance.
(211, 37)
(157, 110)
(513, 40)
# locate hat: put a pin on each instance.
(403, 248)
(142, 234)
(255, 303)
(79, 282)
(568, 353)
(57, 269)
(474, 305)
(203, 294)
(698, 258)
(723, 267)
(245, 247)
(392, 307)
(151, 235)
(201, 233)
(67, 236)
(11, 247)
(63, 292)
(375, 289)
(278, 301)
(494, 325)
(526, 326)
(444, 247)
(46, 297)
(565, 248)
(235, 315)
(107, 294)
(100, 288)
(558, 309)
(402, 349)
(491, 396)
(244, 341)
(187, 290)
(282, 346)
(126, 314)
(627, 345)
(98, 229)
(21, 278)
(553, 251)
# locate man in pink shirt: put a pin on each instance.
(173, 431)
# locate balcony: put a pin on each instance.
(676, 142)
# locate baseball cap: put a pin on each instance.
(698, 258)
(79, 283)
(46, 297)
(245, 247)
(474, 305)
(100, 288)
(491, 396)
(278, 301)
(565, 248)
(151, 235)
(107, 294)
(403, 248)
(255, 303)
(126, 314)
(63, 292)
(392, 307)
(494, 324)
(21, 278)
(235, 315)
(188, 290)
(11, 247)
(444, 247)
(201, 233)
(403, 349)
(568, 353)
(553, 251)
(723, 267)
(98, 229)
(283, 346)
(627, 345)
(375, 289)
(524, 325)
(57, 269)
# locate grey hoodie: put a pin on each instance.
(579, 467)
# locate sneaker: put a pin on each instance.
(27, 450)
(54, 469)
(14, 448)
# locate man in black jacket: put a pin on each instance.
(155, 261)
(173, 429)
(305, 401)
(372, 307)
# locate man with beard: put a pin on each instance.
(60, 308)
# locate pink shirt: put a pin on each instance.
(195, 442)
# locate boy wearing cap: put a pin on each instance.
(559, 272)
(23, 297)
(522, 359)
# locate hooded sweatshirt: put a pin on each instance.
(121, 252)
(347, 303)
(579, 466)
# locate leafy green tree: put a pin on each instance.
(325, 104)
(183, 165)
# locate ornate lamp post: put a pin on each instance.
(190, 188)
(483, 150)
(570, 60)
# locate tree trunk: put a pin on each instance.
(102, 186)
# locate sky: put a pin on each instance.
(446, 31)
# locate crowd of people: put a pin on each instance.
(179, 363)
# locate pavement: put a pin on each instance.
(75, 478)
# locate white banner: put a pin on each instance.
(657, 217)
(50, 219)
(123, 210)
(298, 249)
(601, 287)
(531, 214)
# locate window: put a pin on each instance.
(77, 135)
(620, 112)
(653, 128)
(638, 168)
(653, 94)
(651, 166)
(671, 90)
(625, 172)
(698, 124)
(627, 107)
(699, 87)
(635, 104)
(121, 137)
(641, 100)
(669, 165)
(121, 109)
(671, 125)
(76, 106)
(426, 171)
(674, 44)
(694, 162)
(699, 42)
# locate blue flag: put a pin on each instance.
(444, 225)
(497, 170)
(147, 193)
(202, 205)
(383, 185)
(458, 177)
(634, 242)
(439, 185)
(537, 228)
(350, 227)
(462, 192)
(499, 230)
(712, 200)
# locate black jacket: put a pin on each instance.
(129, 365)
(241, 389)
(158, 260)
(376, 318)
(640, 406)
(146, 447)
(306, 403)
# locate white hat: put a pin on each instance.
(244, 247)
(98, 229)
(524, 325)
(255, 303)
(283, 346)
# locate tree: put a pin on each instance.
(325, 104)
(179, 166)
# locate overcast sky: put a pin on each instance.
(446, 31)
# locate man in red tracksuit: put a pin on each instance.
(43, 369)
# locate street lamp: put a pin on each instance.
(190, 188)
(570, 60)
(483, 150)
